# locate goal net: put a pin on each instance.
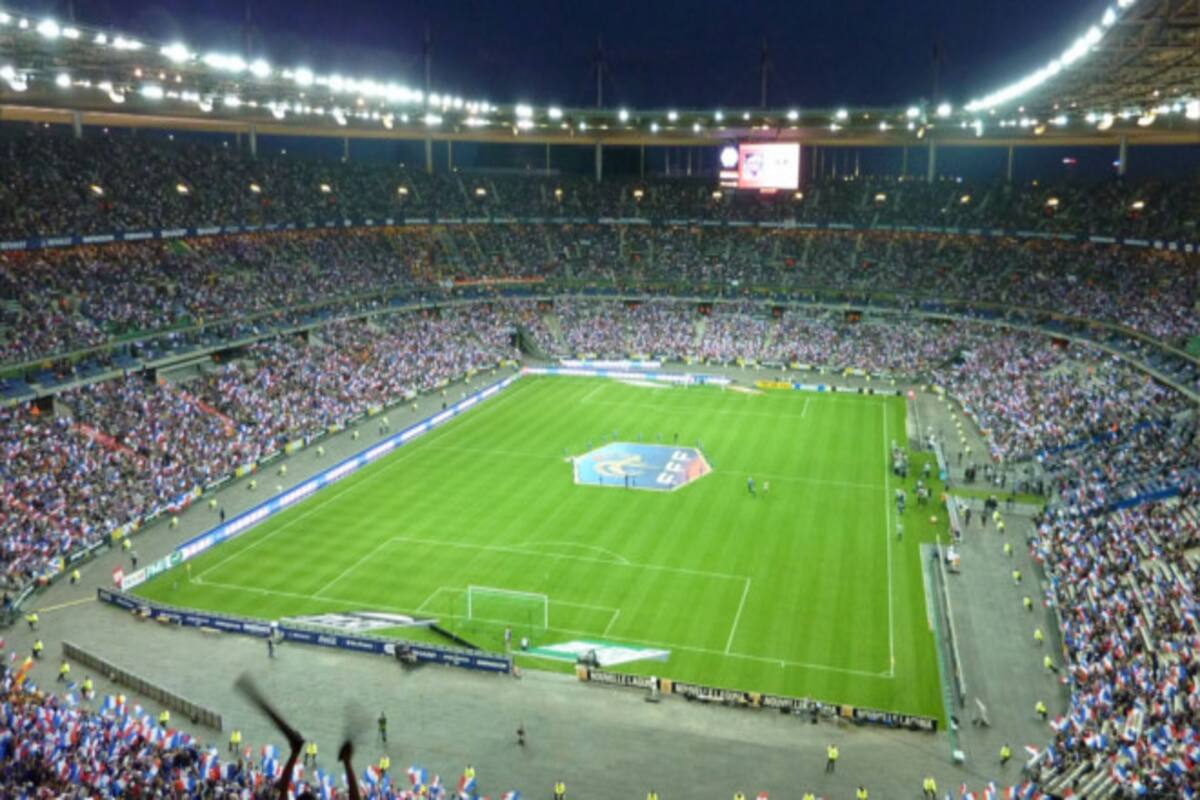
(508, 607)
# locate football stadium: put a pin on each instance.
(393, 408)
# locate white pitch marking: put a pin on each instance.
(648, 643)
(401, 455)
(737, 617)
(616, 557)
(887, 534)
(874, 487)
(611, 622)
(344, 573)
(595, 389)
(525, 552)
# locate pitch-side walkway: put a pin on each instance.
(1001, 661)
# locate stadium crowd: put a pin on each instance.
(1119, 541)
(114, 451)
(66, 746)
(75, 298)
(116, 180)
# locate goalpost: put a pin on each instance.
(507, 606)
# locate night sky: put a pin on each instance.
(682, 53)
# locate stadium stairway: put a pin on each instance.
(701, 325)
(555, 327)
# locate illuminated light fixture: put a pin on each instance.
(260, 68)
(1138, 205)
(176, 53)
(232, 101)
(672, 116)
(1051, 202)
(944, 110)
(716, 195)
(205, 104)
(880, 197)
(695, 127)
(480, 191)
(474, 122)
(623, 115)
(71, 33)
(1192, 109)
(432, 120)
(1147, 119)
(966, 198)
(303, 77)
(1038, 130)
(1077, 50)
(583, 126)
(554, 113)
(746, 115)
(833, 126)
(913, 112)
(1106, 122)
(100, 39)
(638, 194)
(121, 43)
(62, 80)
(15, 81)
(225, 62)
(719, 116)
(558, 193)
(96, 190)
(255, 188)
(883, 126)
(978, 126)
(654, 127)
(1060, 120)
(181, 188)
(278, 110)
(5, 19)
(793, 115)
(402, 191)
(524, 124)
(798, 196)
(1109, 18)
(842, 114)
(524, 112)
(326, 188)
(49, 29)
(729, 156)
(339, 116)
(920, 132)
(152, 92)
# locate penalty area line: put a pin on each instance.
(737, 617)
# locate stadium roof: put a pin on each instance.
(1135, 73)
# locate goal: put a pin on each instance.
(508, 607)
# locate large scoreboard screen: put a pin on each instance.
(766, 166)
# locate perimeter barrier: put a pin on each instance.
(198, 714)
(758, 700)
(321, 637)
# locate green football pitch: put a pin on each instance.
(804, 590)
